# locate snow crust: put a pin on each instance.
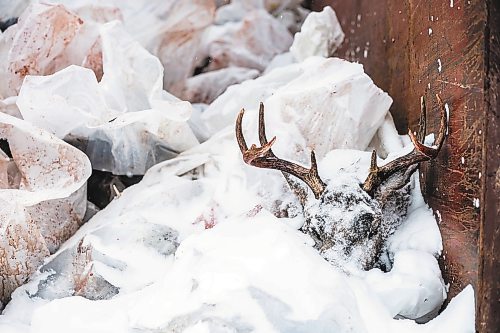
(221, 227)
(220, 230)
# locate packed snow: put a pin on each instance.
(204, 242)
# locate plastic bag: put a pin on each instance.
(43, 201)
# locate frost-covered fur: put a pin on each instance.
(349, 227)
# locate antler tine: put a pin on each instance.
(262, 125)
(422, 122)
(239, 133)
(420, 152)
(263, 156)
(249, 155)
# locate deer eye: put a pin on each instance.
(364, 224)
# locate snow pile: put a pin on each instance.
(204, 243)
(235, 263)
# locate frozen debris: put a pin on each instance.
(320, 35)
(43, 195)
(250, 43)
(206, 87)
(332, 102)
(125, 123)
(93, 268)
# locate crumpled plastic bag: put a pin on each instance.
(46, 39)
(126, 122)
(320, 35)
(206, 87)
(250, 43)
(333, 103)
(42, 199)
(236, 10)
(171, 30)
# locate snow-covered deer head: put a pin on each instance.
(349, 221)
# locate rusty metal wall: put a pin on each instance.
(413, 48)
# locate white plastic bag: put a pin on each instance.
(125, 123)
(44, 202)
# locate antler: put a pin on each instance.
(419, 153)
(263, 156)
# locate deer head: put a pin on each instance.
(349, 221)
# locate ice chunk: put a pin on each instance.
(43, 203)
(320, 35)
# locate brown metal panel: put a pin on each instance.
(489, 295)
(413, 48)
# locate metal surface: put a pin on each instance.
(414, 48)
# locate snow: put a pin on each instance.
(197, 244)
(218, 277)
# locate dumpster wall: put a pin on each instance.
(414, 48)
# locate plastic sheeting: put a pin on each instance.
(42, 198)
(333, 103)
(126, 122)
